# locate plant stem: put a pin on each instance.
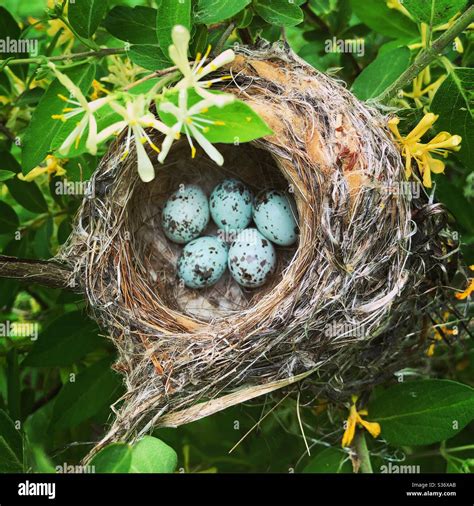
(362, 451)
(47, 273)
(106, 51)
(428, 55)
(221, 42)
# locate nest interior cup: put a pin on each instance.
(341, 305)
(158, 255)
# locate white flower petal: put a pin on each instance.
(110, 130)
(207, 146)
(217, 99)
(168, 141)
(144, 165)
(221, 60)
(91, 143)
(69, 85)
(71, 138)
(178, 51)
(170, 108)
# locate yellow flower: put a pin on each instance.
(397, 5)
(54, 26)
(438, 336)
(52, 168)
(417, 88)
(468, 290)
(355, 418)
(413, 149)
(98, 90)
(122, 71)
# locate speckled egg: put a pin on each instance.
(202, 262)
(186, 214)
(274, 215)
(231, 205)
(252, 258)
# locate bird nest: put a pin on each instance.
(346, 307)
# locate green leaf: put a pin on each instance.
(279, 12)
(137, 25)
(151, 455)
(148, 56)
(453, 103)
(13, 382)
(42, 240)
(171, 13)
(27, 194)
(199, 42)
(433, 12)
(329, 460)
(9, 221)
(93, 389)
(65, 341)
(42, 463)
(114, 458)
(5, 86)
(213, 11)
(241, 122)
(9, 162)
(64, 230)
(376, 15)
(43, 128)
(244, 19)
(9, 29)
(323, 7)
(422, 412)
(381, 73)
(450, 195)
(86, 15)
(11, 446)
(6, 174)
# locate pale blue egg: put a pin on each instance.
(252, 258)
(274, 213)
(202, 262)
(186, 214)
(231, 205)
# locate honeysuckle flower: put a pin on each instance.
(418, 91)
(440, 330)
(397, 5)
(470, 288)
(98, 90)
(53, 167)
(413, 149)
(136, 117)
(122, 72)
(355, 417)
(66, 37)
(193, 124)
(80, 106)
(192, 76)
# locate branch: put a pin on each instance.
(106, 51)
(47, 273)
(362, 452)
(428, 55)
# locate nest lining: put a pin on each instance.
(159, 255)
(345, 306)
